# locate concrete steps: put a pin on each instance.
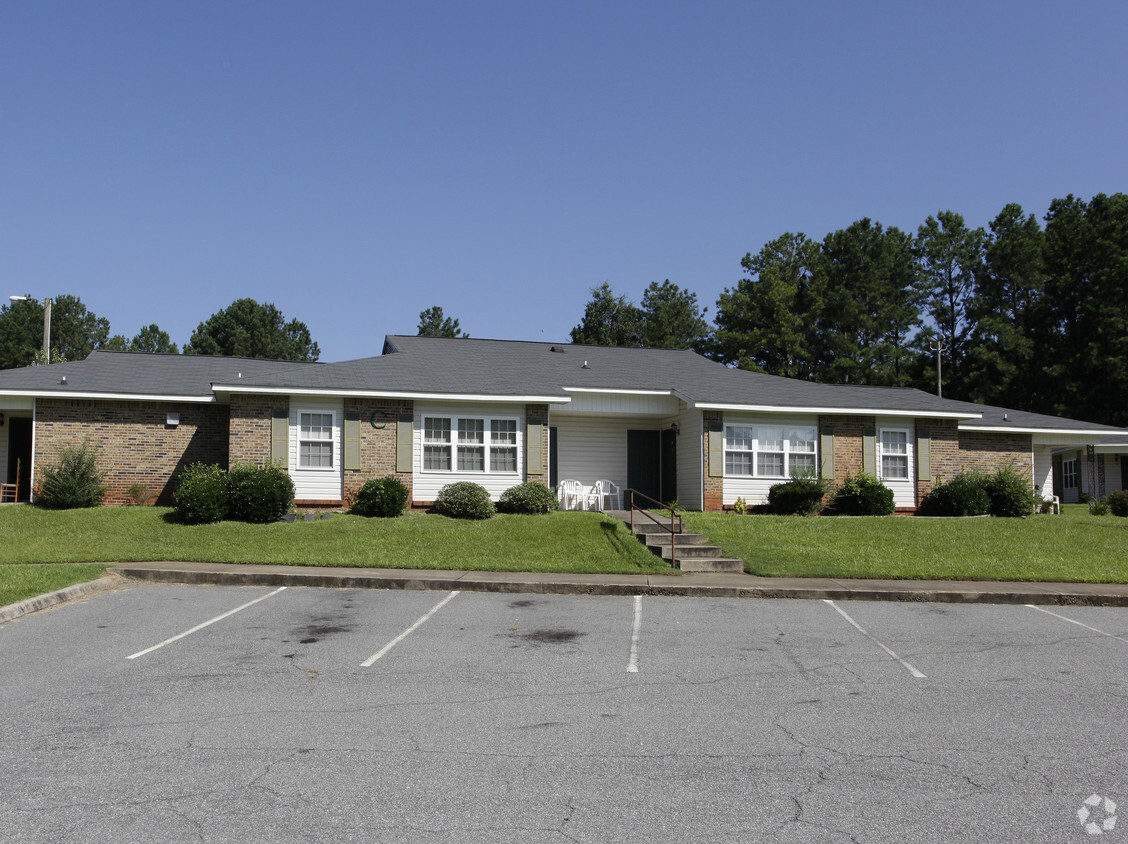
(689, 552)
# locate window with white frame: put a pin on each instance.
(769, 451)
(1069, 474)
(893, 444)
(469, 444)
(315, 440)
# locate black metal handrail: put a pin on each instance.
(670, 528)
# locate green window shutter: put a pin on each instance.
(869, 451)
(716, 451)
(924, 456)
(280, 437)
(534, 450)
(826, 449)
(404, 431)
(352, 439)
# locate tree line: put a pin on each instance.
(1018, 315)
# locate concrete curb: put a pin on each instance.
(42, 602)
(701, 585)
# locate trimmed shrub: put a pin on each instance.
(258, 493)
(964, 495)
(528, 499)
(862, 495)
(1011, 494)
(798, 497)
(201, 494)
(385, 497)
(1118, 502)
(464, 500)
(75, 481)
(1098, 507)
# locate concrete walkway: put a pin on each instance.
(700, 585)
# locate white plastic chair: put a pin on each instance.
(570, 493)
(606, 496)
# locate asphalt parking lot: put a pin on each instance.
(188, 713)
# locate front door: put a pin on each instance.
(644, 463)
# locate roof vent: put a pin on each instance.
(239, 375)
(1004, 417)
(64, 380)
(557, 349)
(585, 366)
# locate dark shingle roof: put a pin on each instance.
(141, 374)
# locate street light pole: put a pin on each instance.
(46, 303)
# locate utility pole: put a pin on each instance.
(938, 346)
(46, 303)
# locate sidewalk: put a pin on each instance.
(699, 585)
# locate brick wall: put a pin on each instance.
(714, 487)
(135, 445)
(250, 422)
(988, 451)
(378, 418)
(944, 444)
(847, 442)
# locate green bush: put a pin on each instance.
(799, 496)
(386, 497)
(862, 495)
(464, 500)
(258, 493)
(528, 499)
(201, 494)
(1098, 507)
(1118, 502)
(75, 481)
(1010, 492)
(964, 495)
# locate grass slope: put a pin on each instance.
(18, 581)
(555, 542)
(1071, 547)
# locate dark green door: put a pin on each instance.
(644, 463)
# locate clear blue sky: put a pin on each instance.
(355, 163)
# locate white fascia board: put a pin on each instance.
(74, 394)
(385, 394)
(1062, 435)
(618, 392)
(839, 411)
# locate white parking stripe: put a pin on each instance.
(632, 665)
(1078, 623)
(368, 662)
(862, 630)
(205, 624)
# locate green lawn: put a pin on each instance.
(19, 581)
(556, 542)
(1071, 547)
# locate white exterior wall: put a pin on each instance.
(904, 490)
(1044, 470)
(691, 447)
(426, 485)
(754, 490)
(316, 484)
(619, 404)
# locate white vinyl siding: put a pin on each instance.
(895, 460)
(315, 448)
(691, 452)
(782, 445)
(591, 448)
(473, 441)
(1044, 471)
